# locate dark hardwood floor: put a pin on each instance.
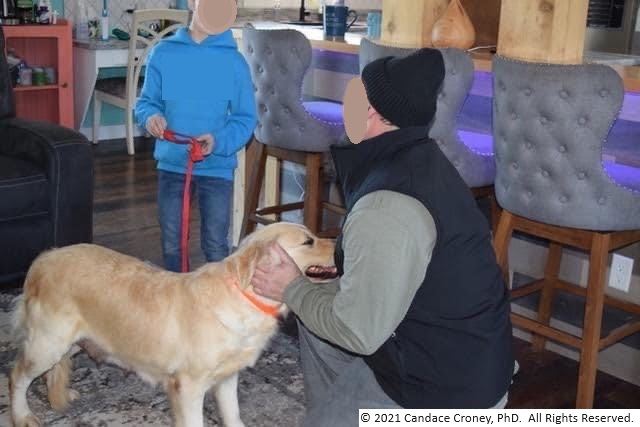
(125, 219)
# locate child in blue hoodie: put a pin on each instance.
(200, 85)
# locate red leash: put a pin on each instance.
(195, 155)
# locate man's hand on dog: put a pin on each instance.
(271, 280)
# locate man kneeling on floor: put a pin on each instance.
(420, 315)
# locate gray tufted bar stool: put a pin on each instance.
(288, 129)
(471, 154)
(550, 123)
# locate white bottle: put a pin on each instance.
(82, 21)
(104, 25)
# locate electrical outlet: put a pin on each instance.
(620, 272)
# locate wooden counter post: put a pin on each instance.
(550, 31)
(409, 22)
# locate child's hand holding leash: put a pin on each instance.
(207, 141)
(156, 125)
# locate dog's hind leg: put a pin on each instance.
(42, 349)
(187, 400)
(60, 395)
(226, 392)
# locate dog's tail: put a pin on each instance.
(18, 319)
(59, 393)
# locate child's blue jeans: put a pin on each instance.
(214, 198)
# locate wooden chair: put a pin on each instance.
(288, 129)
(124, 91)
(550, 122)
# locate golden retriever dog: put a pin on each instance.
(186, 331)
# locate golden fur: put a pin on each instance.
(188, 332)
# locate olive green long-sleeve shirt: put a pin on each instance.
(388, 239)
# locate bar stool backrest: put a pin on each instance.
(476, 168)
(550, 122)
(278, 60)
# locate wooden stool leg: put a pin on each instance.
(254, 185)
(501, 243)
(313, 192)
(592, 320)
(551, 270)
(495, 211)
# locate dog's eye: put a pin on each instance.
(308, 242)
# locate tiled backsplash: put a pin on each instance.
(117, 9)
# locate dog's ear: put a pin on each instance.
(247, 259)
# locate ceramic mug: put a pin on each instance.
(335, 21)
(374, 22)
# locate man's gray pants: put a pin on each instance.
(338, 383)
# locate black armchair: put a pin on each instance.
(46, 185)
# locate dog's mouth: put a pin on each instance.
(321, 272)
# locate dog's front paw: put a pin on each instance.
(73, 395)
(28, 421)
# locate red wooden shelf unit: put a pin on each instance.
(45, 46)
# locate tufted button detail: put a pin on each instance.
(528, 144)
(602, 200)
(582, 175)
(260, 69)
(250, 49)
(287, 110)
(528, 91)
(268, 51)
(501, 86)
(562, 148)
(514, 165)
(514, 115)
(453, 72)
(545, 173)
(529, 194)
(582, 121)
(543, 120)
(301, 129)
(263, 108)
(604, 93)
(563, 199)
(564, 94)
(277, 127)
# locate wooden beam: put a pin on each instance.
(408, 23)
(549, 31)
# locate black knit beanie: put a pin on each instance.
(404, 90)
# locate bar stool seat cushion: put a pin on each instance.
(326, 111)
(480, 143)
(624, 175)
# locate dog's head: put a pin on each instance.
(312, 255)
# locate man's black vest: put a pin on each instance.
(453, 349)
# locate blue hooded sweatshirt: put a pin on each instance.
(199, 88)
